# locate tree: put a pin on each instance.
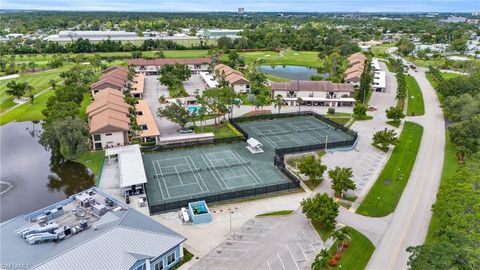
(321, 260)
(360, 110)
(365, 81)
(32, 66)
(67, 136)
(137, 54)
(458, 45)
(312, 168)
(341, 180)
(299, 102)
(278, 102)
(341, 235)
(463, 107)
(202, 111)
(16, 89)
(384, 138)
(405, 46)
(235, 59)
(176, 114)
(395, 113)
(53, 84)
(160, 54)
(321, 208)
(466, 135)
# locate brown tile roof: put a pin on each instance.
(323, 86)
(357, 56)
(109, 121)
(355, 68)
(124, 69)
(146, 119)
(231, 75)
(138, 84)
(109, 80)
(109, 92)
(354, 76)
(169, 61)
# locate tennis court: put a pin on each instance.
(179, 175)
(293, 131)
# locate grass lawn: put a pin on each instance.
(312, 184)
(339, 120)
(289, 57)
(39, 81)
(357, 255)
(274, 78)
(322, 231)
(394, 123)
(276, 213)
(380, 50)
(187, 256)
(92, 160)
(425, 63)
(83, 106)
(27, 111)
(383, 197)
(220, 130)
(415, 97)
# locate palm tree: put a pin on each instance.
(202, 111)
(279, 102)
(321, 260)
(341, 235)
(299, 103)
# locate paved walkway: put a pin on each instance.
(411, 219)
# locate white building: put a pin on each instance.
(152, 66)
(316, 93)
(379, 83)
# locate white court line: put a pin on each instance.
(213, 173)
(158, 180)
(199, 175)
(224, 161)
(184, 185)
(178, 175)
(166, 187)
(273, 144)
(247, 168)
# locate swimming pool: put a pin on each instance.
(193, 109)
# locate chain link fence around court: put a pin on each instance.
(278, 160)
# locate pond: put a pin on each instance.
(291, 72)
(31, 176)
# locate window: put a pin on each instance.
(248, 86)
(108, 134)
(171, 258)
(97, 137)
(310, 95)
(139, 113)
(141, 267)
(158, 265)
(98, 145)
(144, 127)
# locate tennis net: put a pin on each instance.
(178, 172)
(242, 163)
(311, 129)
(273, 134)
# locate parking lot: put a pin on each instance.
(271, 243)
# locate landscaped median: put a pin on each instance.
(383, 197)
(415, 97)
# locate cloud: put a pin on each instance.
(249, 5)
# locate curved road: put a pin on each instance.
(411, 219)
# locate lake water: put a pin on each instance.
(290, 72)
(31, 177)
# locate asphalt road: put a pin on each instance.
(411, 219)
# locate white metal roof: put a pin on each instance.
(130, 164)
(318, 99)
(375, 64)
(211, 82)
(254, 142)
(104, 252)
(379, 79)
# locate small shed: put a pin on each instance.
(254, 146)
(199, 212)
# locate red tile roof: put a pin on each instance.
(323, 86)
(169, 61)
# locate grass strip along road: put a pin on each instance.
(383, 197)
(415, 97)
(357, 255)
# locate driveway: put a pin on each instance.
(411, 219)
(271, 243)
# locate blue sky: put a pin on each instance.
(249, 5)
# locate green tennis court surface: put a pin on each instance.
(205, 171)
(293, 131)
